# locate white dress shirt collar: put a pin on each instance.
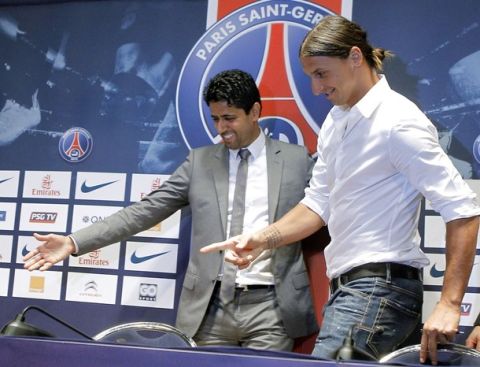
(255, 147)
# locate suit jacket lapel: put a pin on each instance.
(274, 172)
(220, 167)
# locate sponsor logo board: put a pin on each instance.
(433, 274)
(9, 181)
(143, 184)
(100, 186)
(43, 217)
(84, 215)
(104, 258)
(25, 244)
(4, 280)
(7, 216)
(6, 243)
(169, 228)
(154, 257)
(47, 185)
(37, 284)
(148, 292)
(92, 288)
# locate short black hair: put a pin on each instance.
(236, 87)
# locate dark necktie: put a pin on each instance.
(227, 289)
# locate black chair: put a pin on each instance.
(447, 354)
(151, 334)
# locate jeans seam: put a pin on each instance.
(347, 289)
(373, 329)
(383, 305)
(398, 306)
(398, 289)
(369, 302)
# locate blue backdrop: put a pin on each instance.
(111, 70)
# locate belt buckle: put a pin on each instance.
(242, 287)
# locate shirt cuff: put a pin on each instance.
(75, 244)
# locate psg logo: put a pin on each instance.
(75, 145)
(263, 39)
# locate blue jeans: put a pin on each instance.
(381, 313)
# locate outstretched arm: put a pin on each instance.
(54, 248)
(442, 324)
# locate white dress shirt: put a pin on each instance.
(375, 161)
(256, 208)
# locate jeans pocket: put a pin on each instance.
(391, 325)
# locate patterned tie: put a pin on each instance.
(227, 288)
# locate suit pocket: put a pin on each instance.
(190, 281)
(300, 280)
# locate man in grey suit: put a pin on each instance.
(271, 301)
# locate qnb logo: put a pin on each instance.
(465, 309)
(43, 217)
(147, 292)
(92, 218)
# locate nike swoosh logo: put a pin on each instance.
(24, 250)
(2, 181)
(140, 259)
(86, 188)
(435, 273)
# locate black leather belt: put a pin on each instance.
(251, 287)
(245, 287)
(376, 270)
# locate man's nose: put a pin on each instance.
(317, 87)
(221, 125)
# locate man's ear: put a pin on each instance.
(356, 55)
(256, 109)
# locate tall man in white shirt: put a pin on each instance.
(378, 154)
(271, 302)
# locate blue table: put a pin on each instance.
(23, 351)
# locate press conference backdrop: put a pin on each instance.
(101, 101)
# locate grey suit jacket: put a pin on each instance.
(202, 182)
